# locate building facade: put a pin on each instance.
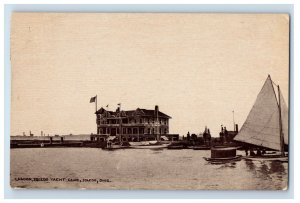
(227, 136)
(133, 125)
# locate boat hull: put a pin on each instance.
(223, 160)
(176, 147)
(115, 147)
(201, 148)
(149, 147)
(266, 158)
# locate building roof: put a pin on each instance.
(138, 111)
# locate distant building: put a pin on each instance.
(227, 136)
(134, 125)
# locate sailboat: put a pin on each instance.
(266, 126)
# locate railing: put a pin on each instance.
(130, 125)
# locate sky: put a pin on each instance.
(198, 68)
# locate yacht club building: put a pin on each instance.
(134, 125)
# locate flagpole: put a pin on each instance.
(96, 102)
(233, 119)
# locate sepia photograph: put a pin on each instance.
(154, 101)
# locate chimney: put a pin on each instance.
(156, 111)
(236, 128)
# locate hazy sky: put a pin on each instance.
(196, 67)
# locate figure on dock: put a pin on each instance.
(246, 150)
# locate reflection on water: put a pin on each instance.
(276, 167)
(142, 169)
(274, 171)
(227, 165)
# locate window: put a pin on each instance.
(135, 131)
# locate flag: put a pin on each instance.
(119, 104)
(93, 99)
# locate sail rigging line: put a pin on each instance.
(277, 99)
(281, 139)
(280, 125)
(282, 108)
(284, 118)
(274, 83)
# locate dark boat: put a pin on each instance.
(223, 160)
(203, 147)
(175, 147)
(221, 155)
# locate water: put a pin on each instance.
(140, 169)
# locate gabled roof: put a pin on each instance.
(152, 113)
(143, 112)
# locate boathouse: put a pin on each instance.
(134, 125)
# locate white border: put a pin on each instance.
(187, 194)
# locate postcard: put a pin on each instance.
(164, 101)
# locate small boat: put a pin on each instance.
(147, 145)
(141, 143)
(223, 160)
(115, 147)
(156, 146)
(268, 157)
(221, 155)
(153, 142)
(201, 147)
(112, 146)
(176, 147)
(266, 126)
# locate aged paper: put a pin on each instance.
(136, 100)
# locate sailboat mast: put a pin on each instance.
(280, 123)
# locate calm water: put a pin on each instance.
(139, 169)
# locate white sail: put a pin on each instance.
(261, 127)
(285, 119)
